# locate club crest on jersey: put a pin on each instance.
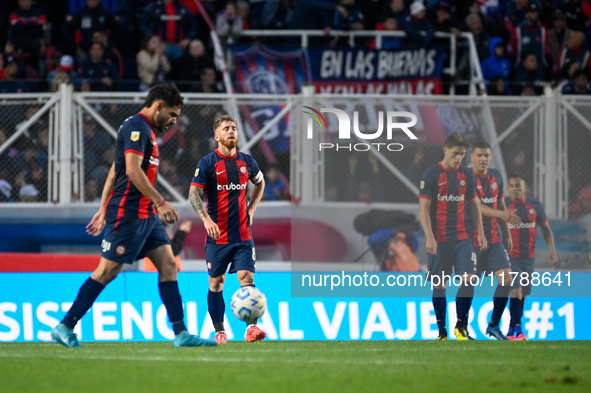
(422, 184)
(242, 169)
(493, 186)
(462, 183)
(135, 136)
(196, 172)
(209, 265)
(120, 250)
(531, 211)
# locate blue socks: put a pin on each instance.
(169, 293)
(440, 305)
(87, 294)
(500, 299)
(217, 308)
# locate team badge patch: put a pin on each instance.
(531, 211)
(462, 183)
(493, 186)
(135, 136)
(120, 250)
(242, 169)
(209, 265)
(196, 172)
(422, 184)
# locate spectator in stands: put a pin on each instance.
(96, 141)
(315, 14)
(567, 74)
(530, 90)
(575, 16)
(389, 43)
(444, 21)
(64, 73)
(228, 24)
(28, 26)
(575, 51)
(5, 189)
(186, 69)
(92, 191)
(516, 10)
(79, 27)
(172, 22)
(481, 37)
(528, 73)
(419, 30)
(111, 6)
(578, 85)
(559, 35)
(243, 10)
(96, 73)
(496, 64)
(353, 20)
(278, 14)
(497, 86)
(396, 9)
(532, 37)
(28, 193)
(152, 62)
(209, 83)
(112, 54)
(275, 187)
(11, 83)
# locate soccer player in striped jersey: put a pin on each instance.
(447, 194)
(495, 259)
(222, 176)
(532, 214)
(128, 212)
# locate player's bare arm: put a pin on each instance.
(474, 209)
(425, 218)
(196, 199)
(504, 224)
(135, 173)
(96, 225)
(255, 198)
(549, 237)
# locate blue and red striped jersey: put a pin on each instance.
(449, 191)
(489, 188)
(135, 136)
(531, 211)
(225, 181)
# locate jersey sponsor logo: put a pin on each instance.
(135, 136)
(154, 161)
(196, 172)
(523, 225)
(450, 198)
(488, 200)
(443, 183)
(231, 186)
(220, 172)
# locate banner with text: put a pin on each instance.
(31, 304)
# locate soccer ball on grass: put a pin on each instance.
(248, 304)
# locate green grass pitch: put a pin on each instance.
(308, 366)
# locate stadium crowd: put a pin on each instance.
(130, 45)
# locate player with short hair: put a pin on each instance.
(490, 190)
(447, 193)
(129, 205)
(222, 176)
(531, 211)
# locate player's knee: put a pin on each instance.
(504, 277)
(515, 293)
(245, 278)
(168, 268)
(216, 284)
